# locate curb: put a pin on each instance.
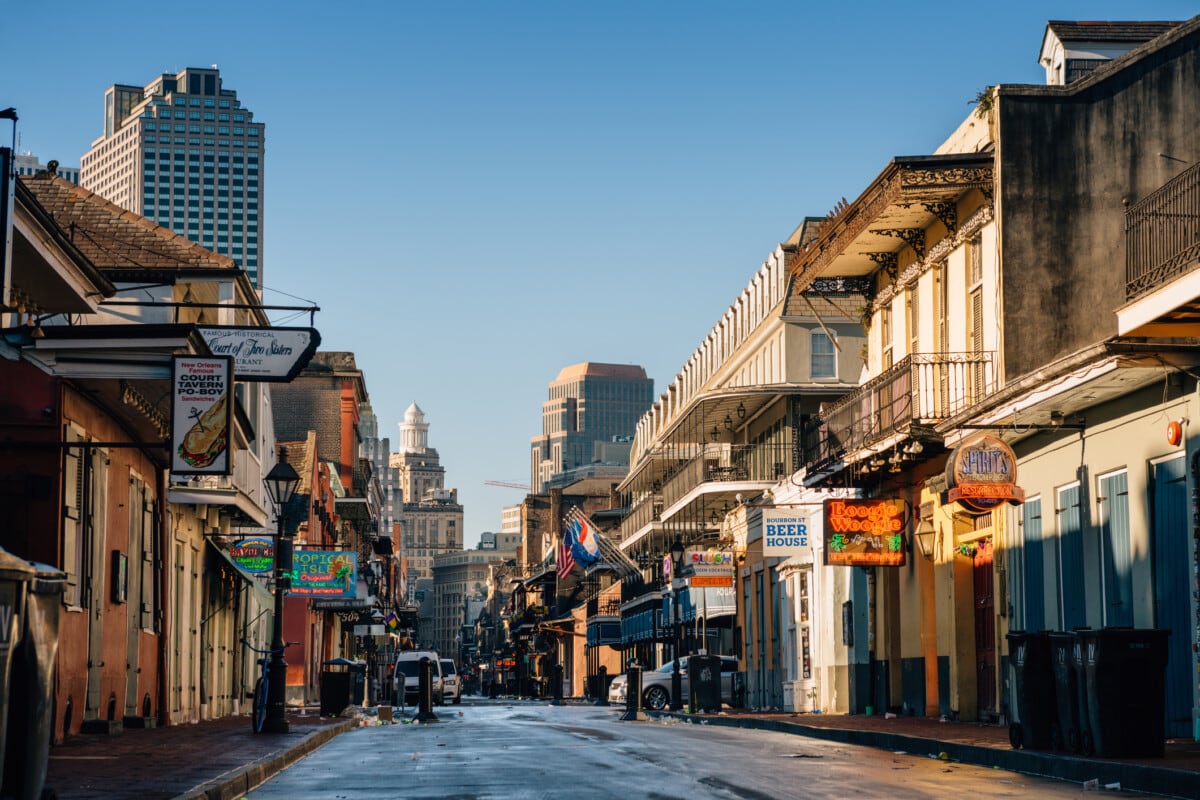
(237, 783)
(1132, 777)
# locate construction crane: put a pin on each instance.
(508, 485)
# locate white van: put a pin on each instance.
(407, 677)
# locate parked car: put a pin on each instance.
(451, 683)
(656, 684)
(406, 678)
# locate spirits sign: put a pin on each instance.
(981, 475)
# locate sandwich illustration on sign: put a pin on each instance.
(207, 439)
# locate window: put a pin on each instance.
(914, 320)
(975, 260)
(824, 356)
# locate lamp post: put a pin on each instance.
(676, 568)
(281, 484)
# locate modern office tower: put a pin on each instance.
(431, 518)
(183, 152)
(590, 419)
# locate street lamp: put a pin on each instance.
(676, 568)
(281, 483)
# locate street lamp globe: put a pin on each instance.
(281, 481)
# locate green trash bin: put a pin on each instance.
(1125, 671)
(1033, 691)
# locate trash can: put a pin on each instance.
(738, 680)
(704, 682)
(1033, 691)
(1125, 672)
(358, 683)
(1066, 691)
(336, 686)
(15, 576)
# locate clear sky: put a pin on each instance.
(479, 194)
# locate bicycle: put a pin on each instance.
(258, 709)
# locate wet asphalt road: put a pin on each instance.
(507, 750)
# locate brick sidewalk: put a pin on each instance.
(161, 763)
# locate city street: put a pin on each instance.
(494, 749)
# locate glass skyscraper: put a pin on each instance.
(183, 152)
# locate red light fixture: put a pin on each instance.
(1174, 433)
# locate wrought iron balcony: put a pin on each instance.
(923, 388)
(724, 463)
(1162, 235)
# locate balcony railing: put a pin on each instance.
(247, 478)
(1162, 235)
(922, 388)
(642, 513)
(725, 463)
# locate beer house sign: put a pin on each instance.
(982, 474)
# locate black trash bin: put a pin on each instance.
(1125, 672)
(336, 686)
(1067, 692)
(1033, 691)
(704, 682)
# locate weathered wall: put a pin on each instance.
(1068, 158)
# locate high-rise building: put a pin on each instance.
(431, 518)
(183, 152)
(589, 419)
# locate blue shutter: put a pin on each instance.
(1171, 584)
(1035, 567)
(1073, 608)
(1114, 547)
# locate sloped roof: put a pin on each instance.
(112, 237)
(1102, 31)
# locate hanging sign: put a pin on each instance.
(254, 555)
(786, 532)
(864, 533)
(200, 413)
(981, 475)
(711, 568)
(324, 573)
(263, 354)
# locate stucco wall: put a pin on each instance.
(1068, 158)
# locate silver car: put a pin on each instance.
(656, 684)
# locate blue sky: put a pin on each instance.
(479, 194)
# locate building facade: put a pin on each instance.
(182, 151)
(431, 518)
(588, 419)
(29, 164)
(1055, 344)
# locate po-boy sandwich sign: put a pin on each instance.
(200, 413)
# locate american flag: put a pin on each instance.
(566, 562)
